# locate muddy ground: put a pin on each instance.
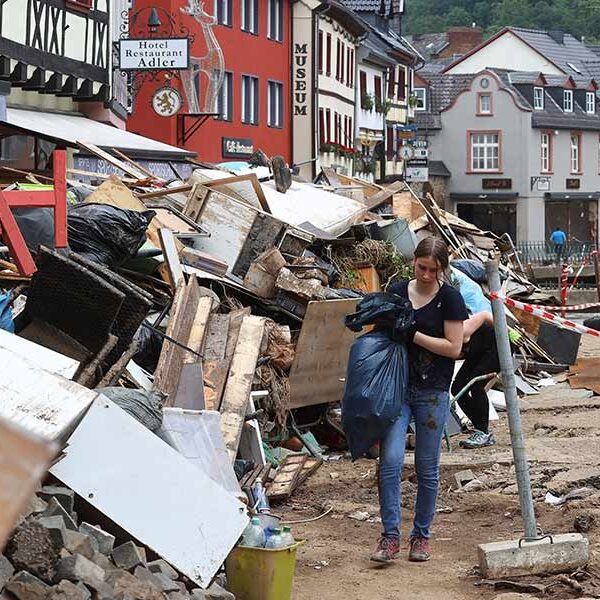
(562, 429)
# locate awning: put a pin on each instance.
(484, 196)
(71, 129)
(571, 196)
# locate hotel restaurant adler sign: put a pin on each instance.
(137, 54)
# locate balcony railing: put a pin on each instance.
(544, 253)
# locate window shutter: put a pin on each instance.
(348, 65)
(337, 62)
(321, 126)
(391, 82)
(321, 50)
(390, 143)
(363, 83)
(328, 54)
(401, 83)
(378, 87)
(342, 67)
(328, 137)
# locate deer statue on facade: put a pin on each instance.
(212, 64)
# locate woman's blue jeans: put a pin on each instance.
(429, 411)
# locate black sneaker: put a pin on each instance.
(478, 439)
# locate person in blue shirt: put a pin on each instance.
(558, 238)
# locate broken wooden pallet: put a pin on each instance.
(287, 477)
(310, 467)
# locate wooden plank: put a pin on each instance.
(255, 183)
(165, 192)
(319, 368)
(286, 479)
(24, 458)
(251, 445)
(123, 166)
(216, 337)
(310, 467)
(135, 165)
(384, 195)
(239, 383)
(332, 177)
(171, 257)
(183, 311)
(236, 318)
(196, 201)
(215, 376)
(199, 328)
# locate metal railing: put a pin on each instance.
(544, 253)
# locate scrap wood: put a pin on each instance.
(171, 257)
(585, 374)
(203, 261)
(123, 166)
(183, 312)
(165, 192)
(384, 195)
(135, 165)
(287, 477)
(254, 182)
(24, 458)
(239, 383)
(311, 466)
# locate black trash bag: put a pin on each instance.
(380, 308)
(106, 234)
(148, 347)
(145, 407)
(377, 375)
(36, 226)
(341, 293)
(474, 269)
(593, 322)
(376, 386)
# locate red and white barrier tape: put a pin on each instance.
(571, 307)
(546, 316)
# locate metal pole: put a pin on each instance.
(512, 403)
(596, 271)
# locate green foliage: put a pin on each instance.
(367, 102)
(581, 18)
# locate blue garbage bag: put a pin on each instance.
(376, 386)
(6, 314)
(377, 374)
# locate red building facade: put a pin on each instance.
(254, 102)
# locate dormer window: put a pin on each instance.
(420, 95)
(538, 98)
(568, 100)
(590, 103)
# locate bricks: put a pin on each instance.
(162, 566)
(56, 528)
(56, 509)
(105, 540)
(568, 552)
(79, 568)
(127, 556)
(63, 494)
(79, 543)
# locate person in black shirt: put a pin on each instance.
(433, 344)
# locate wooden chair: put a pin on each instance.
(56, 199)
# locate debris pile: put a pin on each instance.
(198, 326)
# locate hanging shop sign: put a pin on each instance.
(573, 184)
(136, 54)
(167, 101)
(540, 183)
(237, 147)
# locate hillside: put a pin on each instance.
(581, 18)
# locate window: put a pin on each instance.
(328, 54)
(348, 67)
(343, 67)
(401, 83)
(250, 99)
(275, 30)
(546, 152)
(328, 125)
(223, 12)
(576, 153)
(322, 138)
(362, 79)
(275, 99)
(484, 104)
(421, 96)
(351, 80)
(590, 103)
(338, 61)
(321, 50)
(336, 128)
(225, 98)
(389, 143)
(568, 100)
(250, 16)
(538, 98)
(485, 151)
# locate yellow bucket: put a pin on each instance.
(261, 573)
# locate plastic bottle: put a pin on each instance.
(275, 542)
(287, 537)
(262, 502)
(254, 536)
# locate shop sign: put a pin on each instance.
(496, 184)
(573, 184)
(137, 54)
(540, 183)
(417, 162)
(167, 102)
(416, 174)
(237, 147)
(300, 80)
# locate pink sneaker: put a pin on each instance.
(419, 549)
(387, 550)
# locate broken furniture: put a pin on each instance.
(56, 199)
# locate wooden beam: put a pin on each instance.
(123, 166)
(171, 257)
(252, 178)
(239, 383)
(165, 192)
